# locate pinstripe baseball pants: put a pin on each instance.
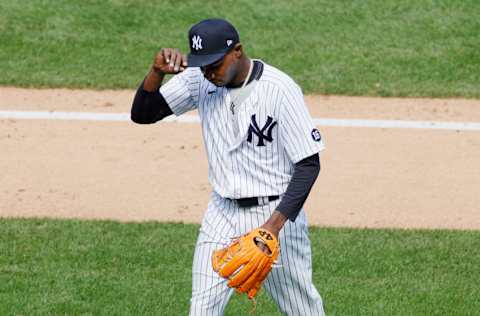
(290, 284)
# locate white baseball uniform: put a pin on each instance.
(251, 148)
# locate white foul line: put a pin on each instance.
(464, 126)
(124, 117)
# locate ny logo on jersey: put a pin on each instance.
(197, 42)
(254, 129)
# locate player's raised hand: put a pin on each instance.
(169, 61)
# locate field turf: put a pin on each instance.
(70, 267)
(368, 47)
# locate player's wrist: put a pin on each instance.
(157, 72)
(275, 223)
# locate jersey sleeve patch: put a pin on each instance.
(316, 135)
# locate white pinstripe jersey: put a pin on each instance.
(275, 131)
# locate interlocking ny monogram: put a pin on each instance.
(254, 129)
(197, 42)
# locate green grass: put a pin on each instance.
(359, 47)
(59, 267)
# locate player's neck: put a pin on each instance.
(244, 69)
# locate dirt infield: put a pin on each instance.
(371, 177)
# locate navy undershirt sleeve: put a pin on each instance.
(304, 175)
(149, 107)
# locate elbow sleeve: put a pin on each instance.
(148, 107)
(305, 173)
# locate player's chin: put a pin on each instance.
(218, 83)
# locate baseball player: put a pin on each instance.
(263, 158)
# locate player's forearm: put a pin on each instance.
(275, 223)
(304, 176)
(153, 81)
(305, 173)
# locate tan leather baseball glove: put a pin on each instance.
(247, 261)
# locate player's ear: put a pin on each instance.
(238, 50)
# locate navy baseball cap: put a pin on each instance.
(210, 40)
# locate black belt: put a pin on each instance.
(256, 201)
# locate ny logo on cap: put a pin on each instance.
(229, 42)
(197, 42)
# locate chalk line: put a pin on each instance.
(125, 117)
